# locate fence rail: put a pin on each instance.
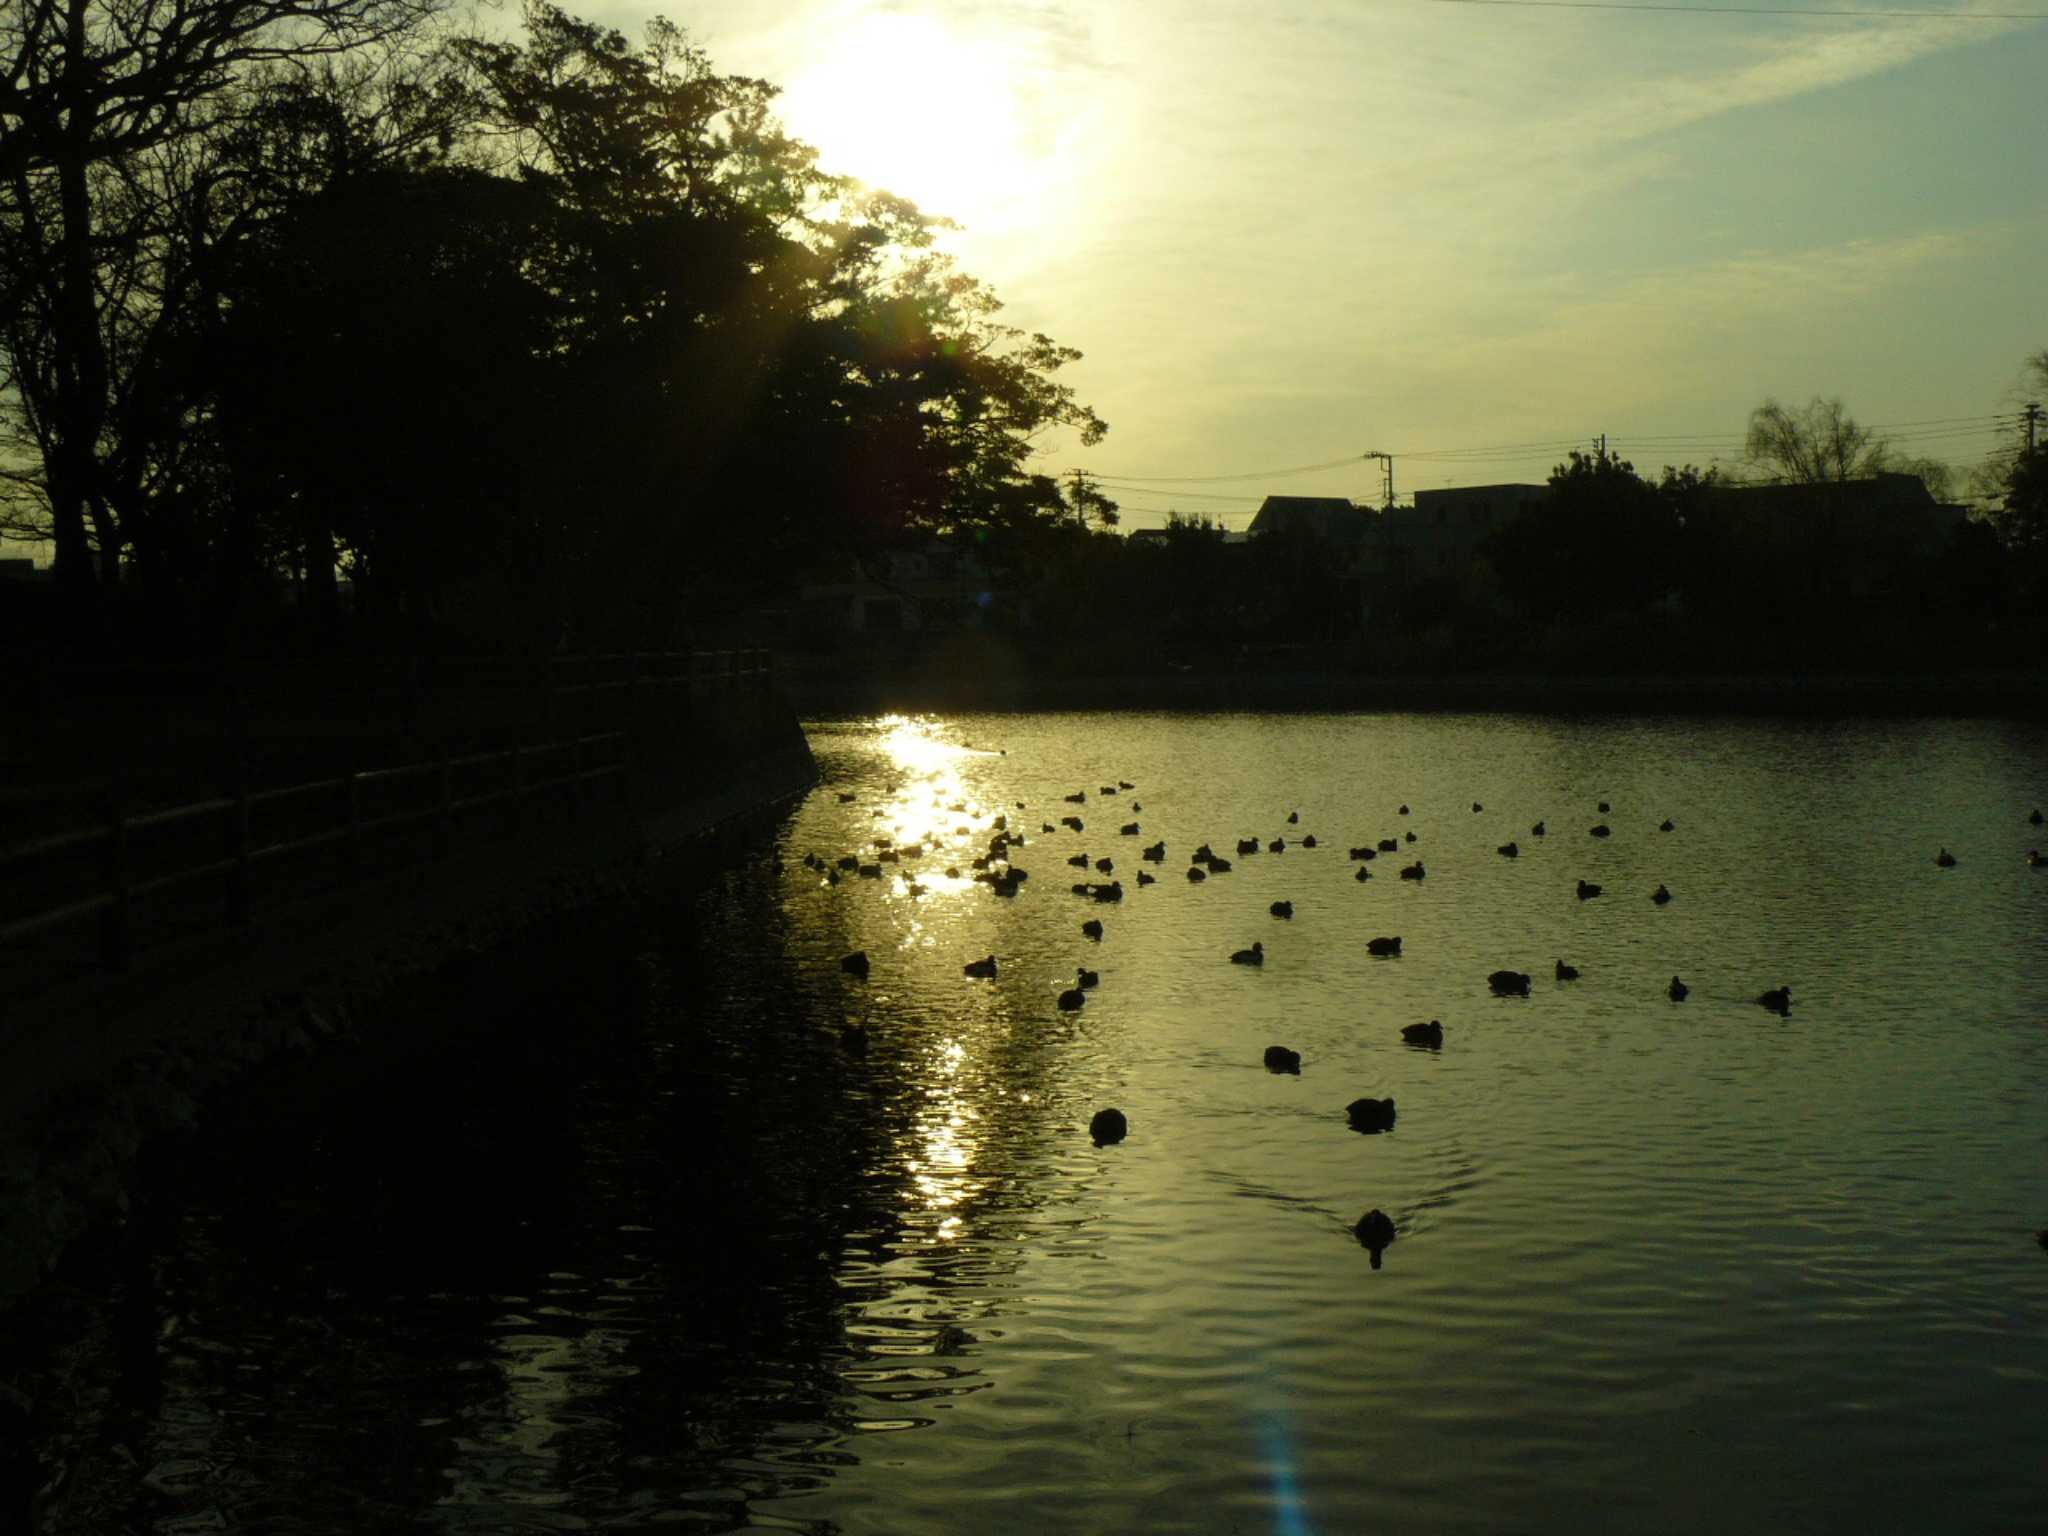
(346, 811)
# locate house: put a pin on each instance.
(1160, 537)
(1332, 538)
(1341, 531)
(936, 585)
(1443, 531)
(1332, 519)
(1867, 538)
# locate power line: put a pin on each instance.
(1938, 437)
(1940, 421)
(1140, 490)
(1935, 426)
(1505, 455)
(1545, 444)
(1817, 13)
(1925, 429)
(1250, 474)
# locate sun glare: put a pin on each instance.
(906, 104)
(920, 752)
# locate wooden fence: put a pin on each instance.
(112, 871)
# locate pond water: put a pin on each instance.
(729, 1265)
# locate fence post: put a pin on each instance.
(114, 919)
(238, 846)
(441, 799)
(353, 789)
(632, 721)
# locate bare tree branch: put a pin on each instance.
(1818, 444)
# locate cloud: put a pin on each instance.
(1660, 315)
(1058, 37)
(1277, 229)
(1789, 68)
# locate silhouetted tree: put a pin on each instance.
(564, 320)
(2026, 499)
(1604, 538)
(1938, 475)
(206, 533)
(1819, 444)
(2006, 470)
(1088, 505)
(762, 362)
(387, 393)
(2022, 522)
(100, 100)
(1183, 587)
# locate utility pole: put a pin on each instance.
(1388, 479)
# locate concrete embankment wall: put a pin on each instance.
(333, 985)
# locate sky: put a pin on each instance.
(1468, 235)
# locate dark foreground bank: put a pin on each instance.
(100, 1062)
(600, 1160)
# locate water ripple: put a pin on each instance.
(777, 1271)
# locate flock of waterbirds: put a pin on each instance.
(1375, 1230)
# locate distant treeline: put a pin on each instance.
(325, 323)
(514, 345)
(1612, 573)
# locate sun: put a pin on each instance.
(905, 103)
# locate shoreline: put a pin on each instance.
(910, 689)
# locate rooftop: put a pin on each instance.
(1333, 518)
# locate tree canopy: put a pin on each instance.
(564, 328)
(1819, 443)
(107, 112)
(1605, 538)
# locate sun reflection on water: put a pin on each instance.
(926, 817)
(931, 825)
(944, 1149)
(916, 745)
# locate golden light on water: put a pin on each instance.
(917, 749)
(940, 1168)
(934, 824)
(931, 810)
